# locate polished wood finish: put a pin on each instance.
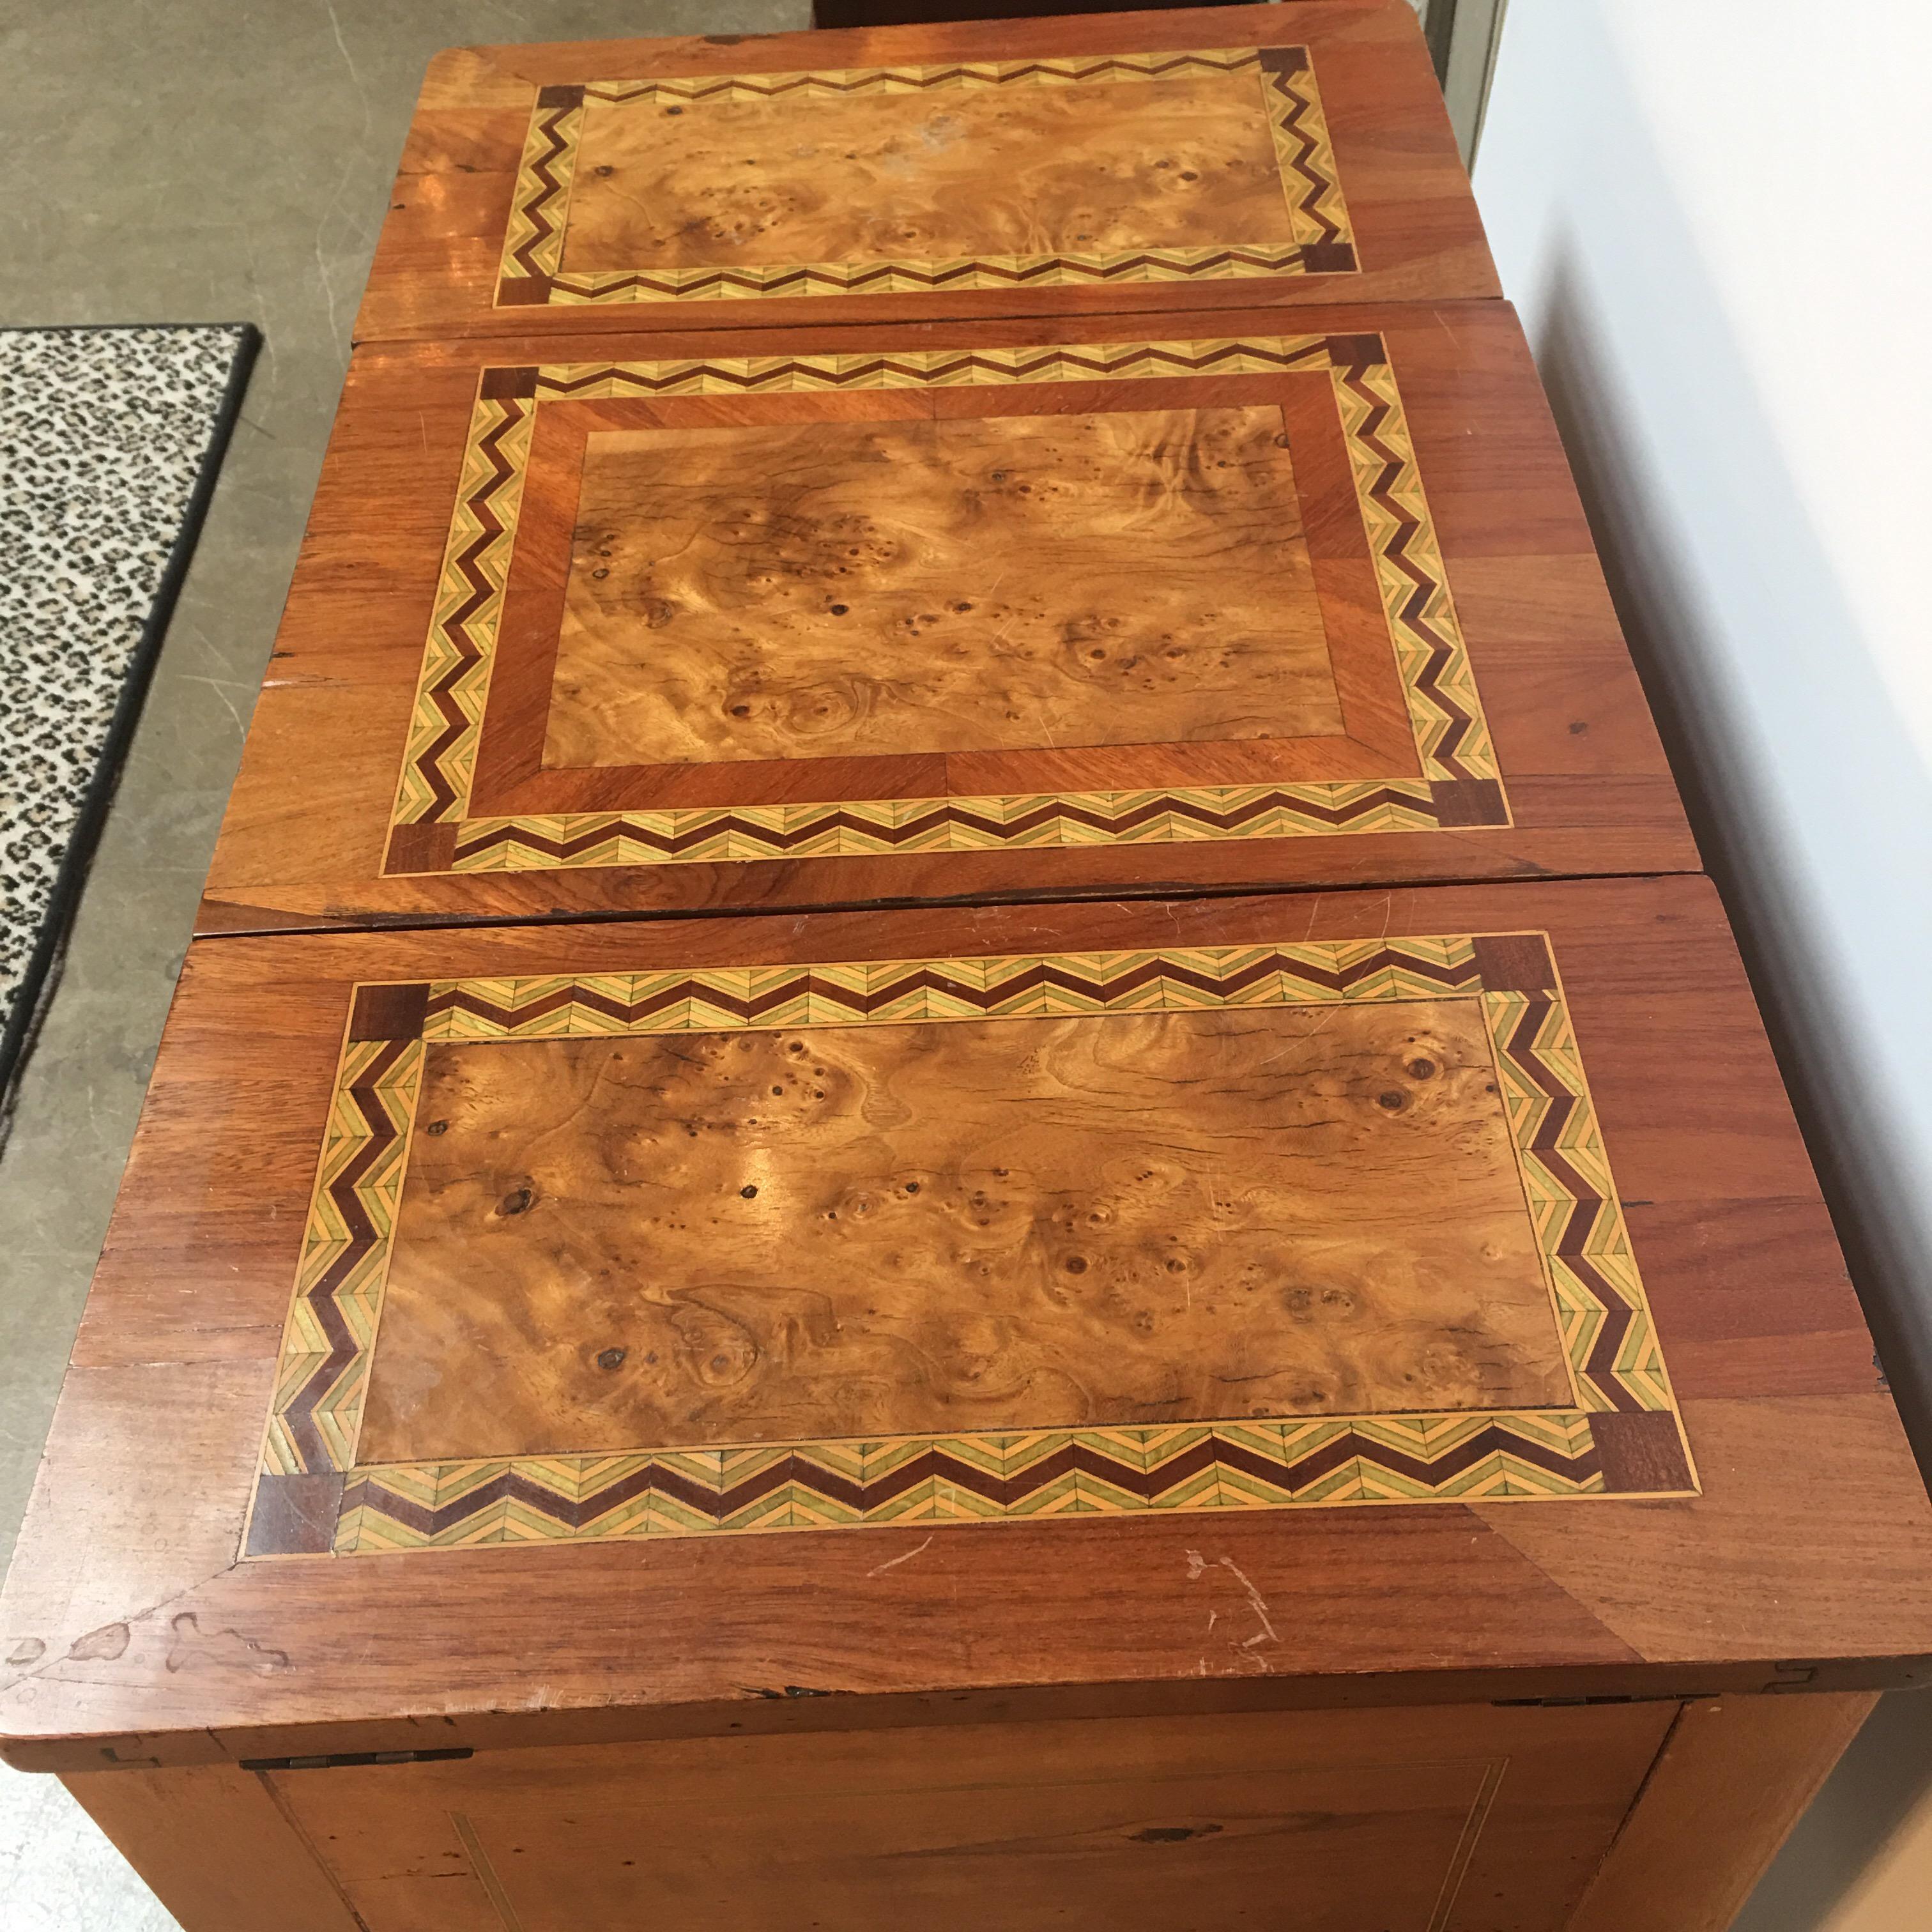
(219, 1846)
(1088, 511)
(665, 1056)
(997, 171)
(812, 590)
(136, 1630)
(1176, 161)
(1734, 1777)
(927, 465)
(1450, 1820)
(698, 1238)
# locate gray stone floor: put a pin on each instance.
(209, 160)
(220, 161)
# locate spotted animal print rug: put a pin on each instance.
(109, 441)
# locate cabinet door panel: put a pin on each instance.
(1473, 1818)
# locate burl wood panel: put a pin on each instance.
(1472, 1820)
(1014, 170)
(475, 794)
(1073, 165)
(864, 1231)
(1187, 159)
(132, 1629)
(814, 590)
(1609, 1427)
(1415, 557)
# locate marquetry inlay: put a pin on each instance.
(966, 1239)
(935, 601)
(1081, 172)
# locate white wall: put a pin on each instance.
(1711, 215)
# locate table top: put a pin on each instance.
(1214, 158)
(992, 609)
(535, 1332)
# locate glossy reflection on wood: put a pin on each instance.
(978, 584)
(311, 835)
(1167, 161)
(1806, 1560)
(1012, 170)
(1138, 1218)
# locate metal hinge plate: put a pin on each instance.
(340, 1760)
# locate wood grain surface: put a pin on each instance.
(1169, 163)
(862, 1232)
(1480, 1820)
(834, 712)
(1062, 193)
(814, 589)
(133, 1632)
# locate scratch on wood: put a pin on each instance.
(881, 1569)
(1197, 1567)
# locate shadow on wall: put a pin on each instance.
(1739, 827)
(1886, 1774)
(1808, 795)
(1802, 636)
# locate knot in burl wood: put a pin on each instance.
(517, 1201)
(611, 1358)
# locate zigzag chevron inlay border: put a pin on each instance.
(1616, 1367)
(532, 270)
(1445, 711)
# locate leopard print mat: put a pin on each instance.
(110, 438)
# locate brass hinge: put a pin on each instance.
(338, 1760)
